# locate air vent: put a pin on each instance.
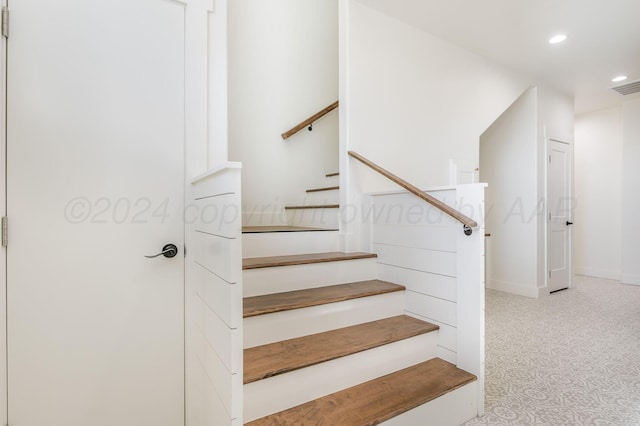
(628, 89)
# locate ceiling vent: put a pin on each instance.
(628, 89)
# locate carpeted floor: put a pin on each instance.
(572, 358)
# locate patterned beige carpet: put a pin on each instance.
(572, 358)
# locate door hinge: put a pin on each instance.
(549, 273)
(5, 22)
(549, 158)
(5, 231)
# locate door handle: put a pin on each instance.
(569, 223)
(169, 250)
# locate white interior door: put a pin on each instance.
(560, 214)
(95, 140)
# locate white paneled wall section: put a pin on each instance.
(425, 250)
(214, 299)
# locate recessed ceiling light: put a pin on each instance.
(557, 39)
(619, 78)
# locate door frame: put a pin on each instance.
(549, 141)
(3, 213)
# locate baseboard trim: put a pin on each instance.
(513, 288)
(598, 273)
(630, 279)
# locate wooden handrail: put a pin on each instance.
(466, 221)
(295, 129)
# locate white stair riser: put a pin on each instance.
(255, 217)
(257, 282)
(314, 218)
(288, 243)
(322, 197)
(331, 180)
(284, 391)
(451, 409)
(263, 329)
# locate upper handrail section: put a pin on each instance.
(465, 220)
(295, 129)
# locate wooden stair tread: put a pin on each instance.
(260, 305)
(267, 229)
(276, 358)
(313, 206)
(302, 259)
(332, 174)
(327, 188)
(377, 400)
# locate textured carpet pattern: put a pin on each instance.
(572, 358)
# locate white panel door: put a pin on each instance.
(95, 175)
(559, 215)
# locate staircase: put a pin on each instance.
(327, 343)
(320, 208)
(282, 328)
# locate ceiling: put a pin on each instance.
(603, 39)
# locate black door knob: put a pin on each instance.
(169, 250)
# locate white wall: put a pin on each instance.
(630, 234)
(217, 67)
(283, 67)
(598, 194)
(411, 103)
(507, 152)
(556, 116)
(415, 101)
(607, 244)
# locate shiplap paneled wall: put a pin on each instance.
(214, 299)
(425, 250)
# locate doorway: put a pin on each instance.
(560, 214)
